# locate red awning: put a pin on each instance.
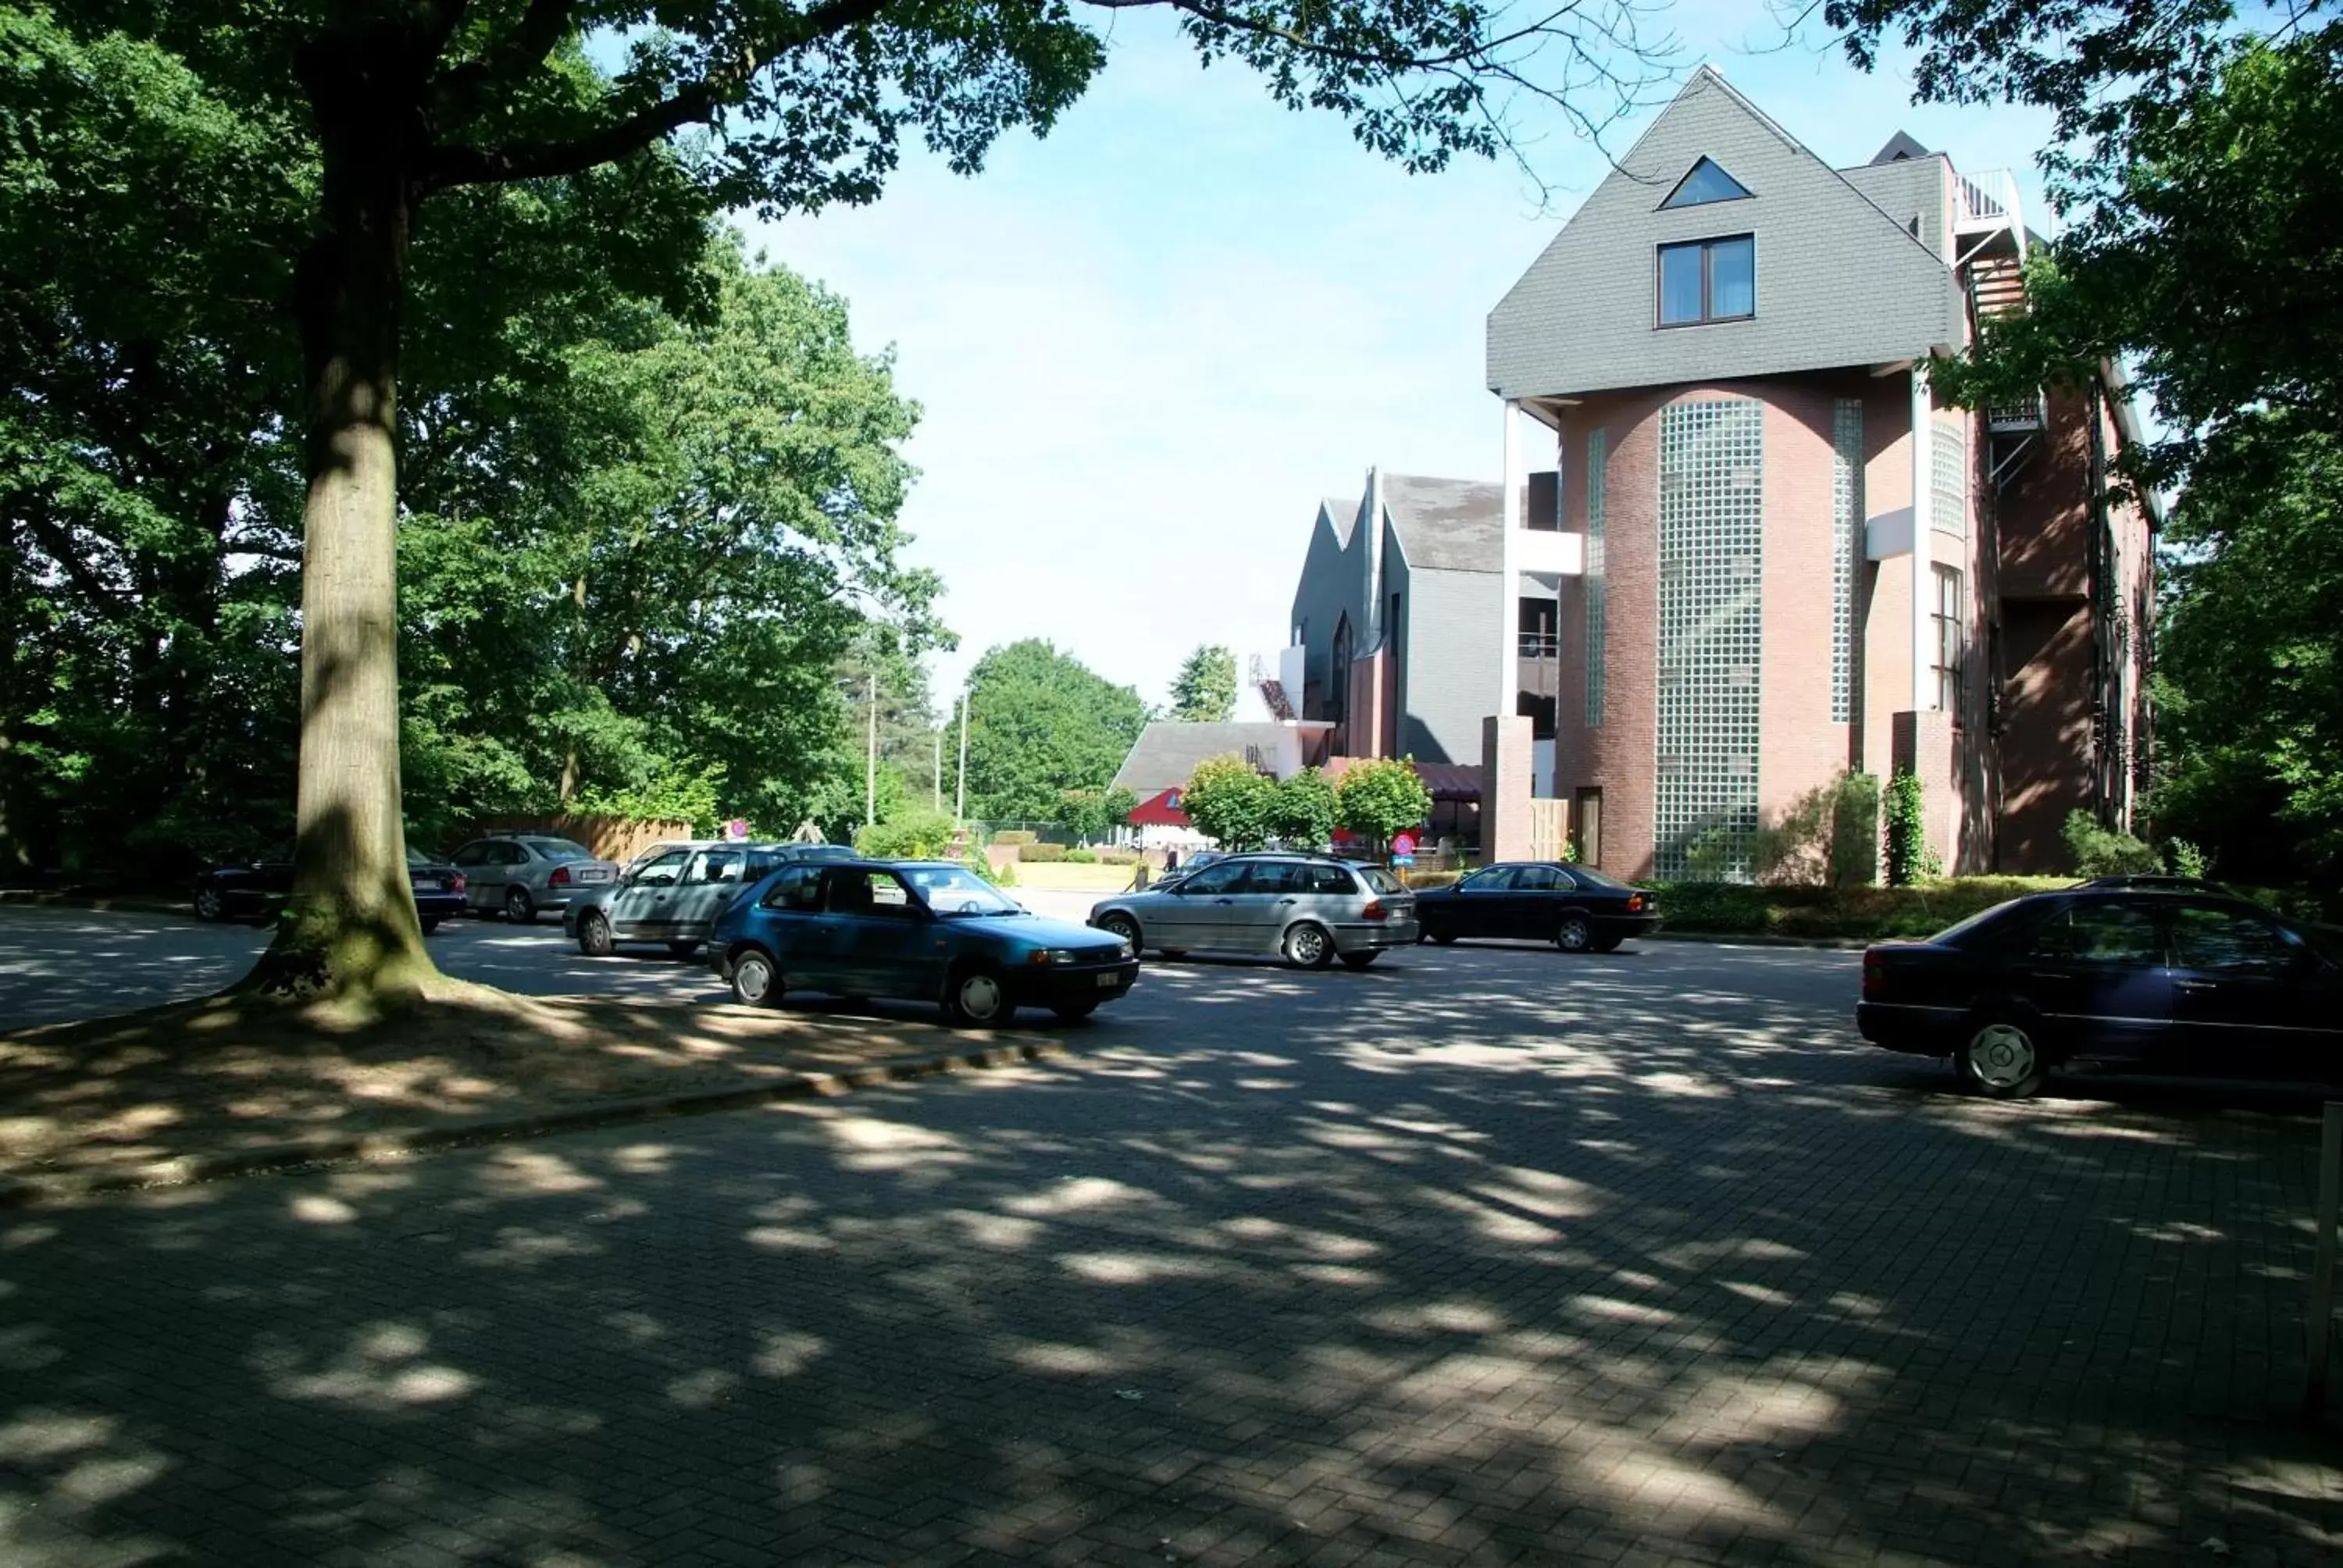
(1159, 812)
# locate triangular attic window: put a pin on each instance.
(1706, 182)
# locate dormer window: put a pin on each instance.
(1708, 280)
(1706, 182)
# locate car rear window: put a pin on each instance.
(1380, 880)
(1590, 878)
(1986, 925)
(560, 849)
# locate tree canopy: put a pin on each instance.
(1205, 689)
(1230, 801)
(1039, 723)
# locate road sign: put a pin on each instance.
(736, 829)
(1403, 847)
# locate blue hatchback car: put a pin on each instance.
(912, 929)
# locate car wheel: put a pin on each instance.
(1574, 934)
(519, 908)
(1359, 961)
(1308, 946)
(977, 998)
(593, 938)
(684, 950)
(430, 923)
(1445, 939)
(1073, 1011)
(2001, 1058)
(209, 905)
(1121, 925)
(755, 980)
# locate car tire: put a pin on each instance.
(209, 905)
(976, 997)
(1118, 924)
(756, 979)
(519, 908)
(1073, 1011)
(1608, 944)
(2001, 1058)
(1445, 939)
(594, 938)
(1575, 934)
(687, 951)
(430, 923)
(1308, 946)
(1355, 961)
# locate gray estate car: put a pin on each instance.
(677, 895)
(1309, 909)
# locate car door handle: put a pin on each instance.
(2196, 985)
(1287, 901)
(2049, 974)
(1225, 900)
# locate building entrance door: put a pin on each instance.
(1586, 829)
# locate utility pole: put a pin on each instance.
(960, 798)
(937, 779)
(870, 761)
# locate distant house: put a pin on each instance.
(1167, 752)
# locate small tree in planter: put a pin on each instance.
(1305, 813)
(1379, 797)
(1231, 801)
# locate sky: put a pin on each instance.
(1146, 345)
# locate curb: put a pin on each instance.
(1758, 939)
(32, 1191)
(127, 903)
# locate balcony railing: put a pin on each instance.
(2015, 418)
(1540, 644)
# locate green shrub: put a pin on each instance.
(1829, 837)
(1909, 858)
(1378, 797)
(2099, 851)
(1014, 836)
(1302, 815)
(2185, 858)
(1040, 854)
(1081, 857)
(1852, 913)
(914, 833)
(1231, 799)
(1118, 856)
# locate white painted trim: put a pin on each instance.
(1924, 454)
(1508, 536)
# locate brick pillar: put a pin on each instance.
(1506, 750)
(1922, 743)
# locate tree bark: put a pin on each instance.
(349, 927)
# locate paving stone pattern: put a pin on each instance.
(1484, 1256)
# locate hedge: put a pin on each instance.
(1860, 913)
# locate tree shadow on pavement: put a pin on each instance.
(1595, 1266)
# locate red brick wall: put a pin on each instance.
(1800, 747)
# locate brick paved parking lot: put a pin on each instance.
(1481, 1256)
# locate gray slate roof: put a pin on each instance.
(1446, 525)
(1167, 751)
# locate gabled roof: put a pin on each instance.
(1342, 516)
(1167, 750)
(1899, 148)
(1445, 524)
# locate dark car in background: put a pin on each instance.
(915, 929)
(256, 889)
(1576, 908)
(676, 895)
(2153, 979)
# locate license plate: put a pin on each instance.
(1107, 982)
(426, 885)
(594, 874)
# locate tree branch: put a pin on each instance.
(517, 52)
(723, 84)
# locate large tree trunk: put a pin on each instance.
(351, 926)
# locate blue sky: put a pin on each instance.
(1147, 345)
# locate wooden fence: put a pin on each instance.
(1549, 829)
(618, 838)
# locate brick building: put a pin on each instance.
(1767, 554)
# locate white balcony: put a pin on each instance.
(1546, 551)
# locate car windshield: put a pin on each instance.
(560, 849)
(417, 857)
(949, 891)
(1380, 880)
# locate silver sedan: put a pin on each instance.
(522, 873)
(1309, 909)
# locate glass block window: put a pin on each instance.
(1597, 449)
(1712, 468)
(1846, 548)
(1948, 494)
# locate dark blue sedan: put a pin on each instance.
(912, 929)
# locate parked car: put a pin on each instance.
(522, 873)
(256, 889)
(2164, 980)
(914, 928)
(1577, 908)
(1309, 910)
(675, 895)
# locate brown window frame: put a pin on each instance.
(1707, 248)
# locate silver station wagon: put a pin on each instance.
(677, 894)
(1309, 909)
